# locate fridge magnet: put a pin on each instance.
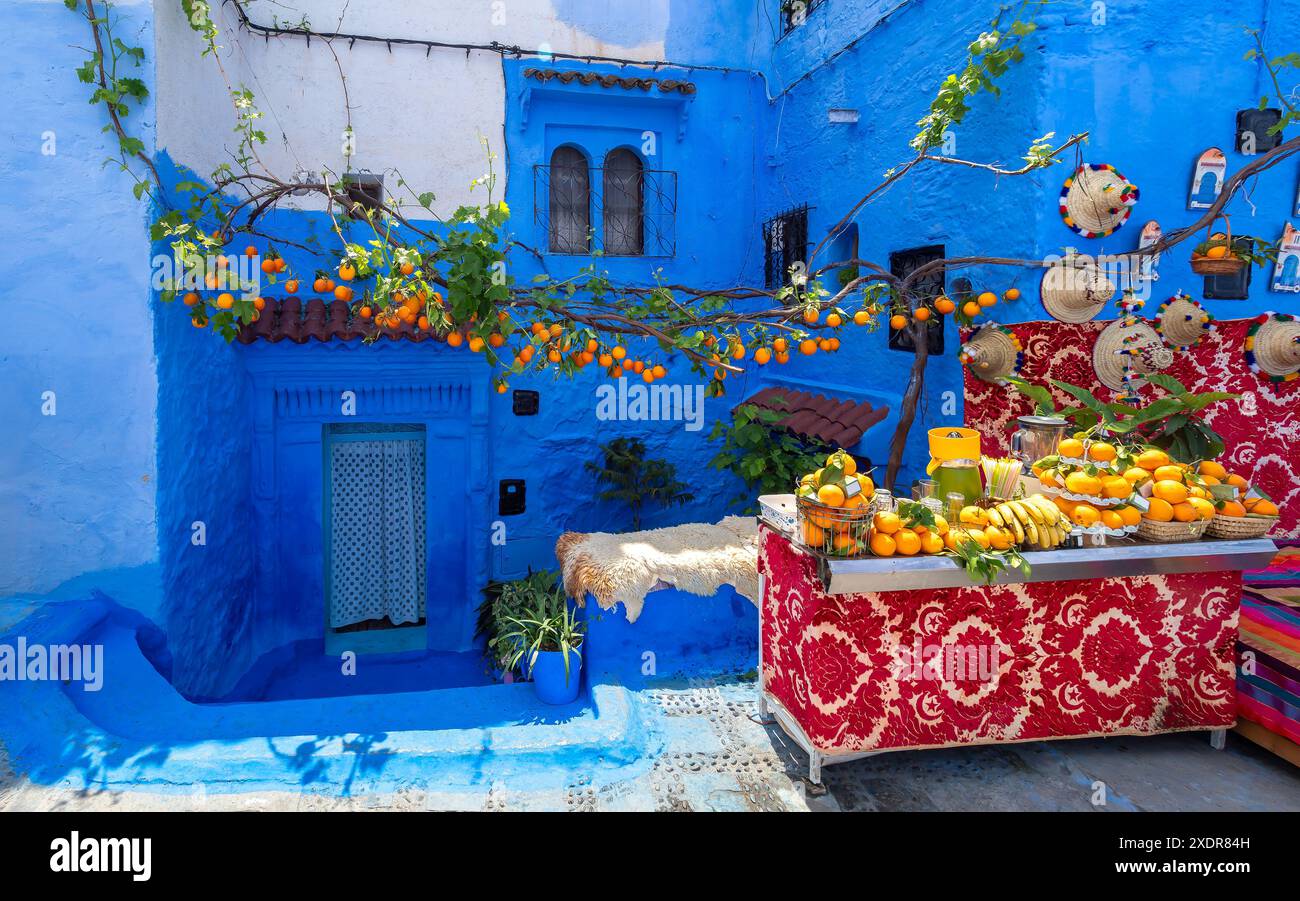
(1207, 180)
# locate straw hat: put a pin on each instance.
(1074, 290)
(1096, 200)
(1182, 322)
(993, 353)
(1126, 350)
(1273, 347)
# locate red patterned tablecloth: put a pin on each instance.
(1134, 656)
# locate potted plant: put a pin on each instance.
(538, 592)
(548, 644)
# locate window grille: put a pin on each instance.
(617, 189)
(569, 202)
(785, 242)
(623, 204)
(903, 263)
(365, 190)
(795, 12)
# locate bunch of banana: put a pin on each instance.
(1036, 522)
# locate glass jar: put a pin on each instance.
(882, 501)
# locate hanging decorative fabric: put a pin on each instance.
(377, 532)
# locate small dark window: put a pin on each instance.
(1253, 130)
(624, 203)
(795, 12)
(510, 497)
(785, 242)
(570, 202)
(1228, 287)
(525, 403)
(365, 190)
(903, 263)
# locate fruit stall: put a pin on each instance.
(1088, 586)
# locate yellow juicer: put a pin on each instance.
(952, 443)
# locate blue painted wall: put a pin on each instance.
(76, 488)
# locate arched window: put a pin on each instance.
(570, 202)
(624, 204)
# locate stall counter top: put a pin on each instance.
(1131, 558)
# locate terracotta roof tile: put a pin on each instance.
(605, 80)
(287, 320)
(835, 421)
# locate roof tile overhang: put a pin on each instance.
(837, 422)
(604, 80)
(287, 320)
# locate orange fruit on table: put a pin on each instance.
(931, 543)
(1011, 294)
(971, 309)
(1185, 512)
(883, 545)
(981, 537)
(898, 322)
(831, 495)
(1116, 487)
(886, 522)
(1070, 447)
(843, 541)
(1232, 508)
(999, 540)
(1211, 480)
(1136, 474)
(1169, 490)
(1111, 519)
(940, 526)
(987, 299)
(1159, 510)
(944, 305)
(1264, 508)
(845, 462)
(1101, 451)
(1237, 482)
(1198, 491)
(1131, 516)
(1168, 472)
(813, 535)
(1065, 505)
(762, 355)
(1085, 515)
(908, 542)
(1153, 459)
(1204, 509)
(1212, 468)
(1079, 482)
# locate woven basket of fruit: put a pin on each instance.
(1222, 526)
(1172, 531)
(1217, 256)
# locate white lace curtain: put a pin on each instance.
(377, 565)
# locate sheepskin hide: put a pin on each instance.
(697, 558)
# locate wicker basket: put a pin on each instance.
(1227, 265)
(837, 531)
(1240, 526)
(1170, 532)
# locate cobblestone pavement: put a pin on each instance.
(716, 756)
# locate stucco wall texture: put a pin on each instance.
(153, 418)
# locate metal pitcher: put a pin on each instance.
(1037, 438)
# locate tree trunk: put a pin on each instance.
(911, 398)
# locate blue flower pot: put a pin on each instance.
(548, 677)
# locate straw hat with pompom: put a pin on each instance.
(1096, 200)
(1125, 351)
(1182, 322)
(993, 354)
(1273, 347)
(1074, 290)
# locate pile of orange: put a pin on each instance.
(1092, 472)
(834, 507)
(1176, 493)
(900, 534)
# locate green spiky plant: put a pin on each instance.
(636, 481)
(536, 630)
(539, 594)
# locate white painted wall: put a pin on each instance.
(421, 117)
